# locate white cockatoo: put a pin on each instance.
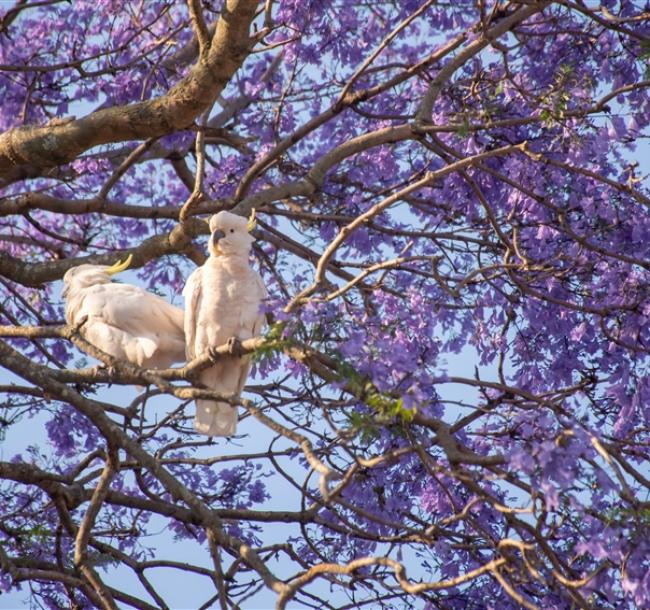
(122, 320)
(223, 302)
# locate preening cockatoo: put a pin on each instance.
(122, 320)
(222, 302)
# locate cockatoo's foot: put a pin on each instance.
(104, 368)
(98, 368)
(235, 347)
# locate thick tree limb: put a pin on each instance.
(53, 145)
(36, 274)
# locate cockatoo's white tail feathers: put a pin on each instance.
(215, 418)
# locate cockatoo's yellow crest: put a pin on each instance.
(119, 267)
(252, 223)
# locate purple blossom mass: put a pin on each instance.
(450, 405)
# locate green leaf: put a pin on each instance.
(463, 130)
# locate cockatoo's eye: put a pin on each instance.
(232, 230)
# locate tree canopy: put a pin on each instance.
(450, 408)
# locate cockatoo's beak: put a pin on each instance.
(64, 292)
(251, 221)
(217, 234)
(118, 267)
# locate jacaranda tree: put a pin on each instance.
(450, 406)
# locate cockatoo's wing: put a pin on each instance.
(260, 320)
(129, 322)
(118, 343)
(252, 322)
(138, 311)
(192, 296)
(251, 318)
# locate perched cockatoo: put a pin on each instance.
(222, 302)
(122, 320)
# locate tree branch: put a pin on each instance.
(58, 144)
(200, 27)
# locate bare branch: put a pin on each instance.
(200, 27)
(398, 568)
